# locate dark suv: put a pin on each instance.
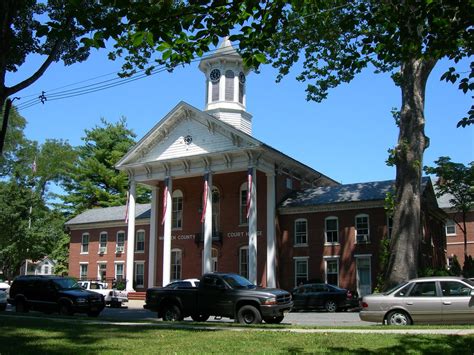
(54, 294)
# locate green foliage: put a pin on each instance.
(455, 267)
(434, 272)
(92, 181)
(384, 257)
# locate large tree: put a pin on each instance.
(92, 180)
(336, 40)
(456, 181)
(141, 31)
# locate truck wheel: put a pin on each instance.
(274, 320)
(249, 315)
(172, 313)
(330, 306)
(200, 317)
(65, 309)
(21, 306)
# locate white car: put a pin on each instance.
(5, 287)
(186, 283)
(3, 300)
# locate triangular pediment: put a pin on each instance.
(186, 132)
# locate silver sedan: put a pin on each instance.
(444, 300)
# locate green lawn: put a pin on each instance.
(34, 336)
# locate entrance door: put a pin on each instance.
(364, 280)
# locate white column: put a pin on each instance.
(271, 242)
(207, 252)
(153, 237)
(167, 235)
(131, 236)
(253, 230)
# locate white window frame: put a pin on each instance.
(116, 264)
(326, 241)
(83, 251)
(296, 260)
(174, 273)
(81, 274)
(120, 247)
(331, 259)
(177, 214)
(99, 264)
(103, 246)
(367, 235)
(142, 233)
(296, 242)
(450, 223)
(243, 220)
(244, 266)
(135, 274)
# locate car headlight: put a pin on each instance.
(270, 301)
(81, 300)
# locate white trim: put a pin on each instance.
(139, 262)
(296, 259)
(367, 236)
(82, 243)
(326, 269)
(295, 244)
(177, 194)
(180, 251)
(103, 250)
(300, 257)
(362, 255)
(326, 230)
(459, 243)
(136, 241)
(331, 256)
(122, 248)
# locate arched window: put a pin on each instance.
(176, 264)
(301, 232)
(331, 225)
(229, 85)
(215, 90)
(244, 261)
(177, 213)
(243, 203)
(362, 228)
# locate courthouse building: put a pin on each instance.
(222, 200)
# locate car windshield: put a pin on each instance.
(469, 282)
(395, 288)
(237, 281)
(67, 284)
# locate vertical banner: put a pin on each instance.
(249, 190)
(165, 200)
(204, 197)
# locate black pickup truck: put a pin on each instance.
(220, 295)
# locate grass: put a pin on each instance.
(31, 335)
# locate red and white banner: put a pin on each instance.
(204, 197)
(249, 190)
(165, 201)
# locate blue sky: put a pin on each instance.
(345, 137)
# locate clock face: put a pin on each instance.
(242, 77)
(215, 75)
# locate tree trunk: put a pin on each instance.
(407, 228)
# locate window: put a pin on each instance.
(120, 246)
(423, 289)
(102, 271)
(244, 261)
(243, 203)
(229, 85)
(103, 243)
(140, 242)
(332, 271)
(177, 213)
(301, 270)
(332, 230)
(389, 226)
(176, 264)
(301, 232)
(85, 243)
(83, 271)
(215, 90)
(362, 228)
(46, 269)
(289, 183)
(139, 274)
(455, 289)
(119, 271)
(450, 227)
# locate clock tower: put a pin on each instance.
(225, 86)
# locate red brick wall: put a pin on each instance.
(455, 244)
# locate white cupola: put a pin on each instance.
(225, 86)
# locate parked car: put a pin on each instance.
(422, 300)
(220, 295)
(323, 296)
(5, 287)
(186, 283)
(3, 300)
(113, 298)
(54, 294)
